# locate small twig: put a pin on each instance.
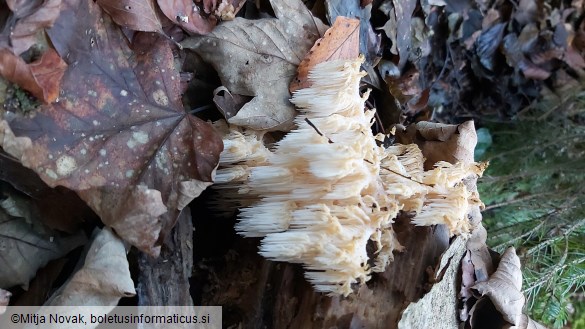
(399, 174)
(447, 58)
(317, 130)
(372, 106)
(200, 109)
(513, 201)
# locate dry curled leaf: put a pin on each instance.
(106, 267)
(341, 41)
(476, 267)
(42, 285)
(403, 10)
(259, 58)
(511, 49)
(137, 15)
(405, 88)
(227, 103)
(442, 142)
(119, 137)
(488, 43)
(103, 279)
(467, 278)
(479, 254)
(504, 287)
(526, 323)
(27, 246)
(41, 78)
(61, 208)
(29, 17)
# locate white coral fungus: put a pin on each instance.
(328, 188)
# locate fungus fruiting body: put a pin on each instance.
(328, 187)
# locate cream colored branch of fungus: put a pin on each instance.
(327, 188)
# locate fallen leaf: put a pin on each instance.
(187, 15)
(103, 279)
(17, 205)
(403, 10)
(28, 246)
(4, 300)
(476, 266)
(503, 287)
(119, 136)
(432, 131)
(512, 50)
(22, 179)
(390, 28)
(420, 46)
(369, 41)
(441, 142)
(227, 103)
(528, 11)
(418, 103)
(403, 87)
(480, 255)
(573, 58)
(29, 17)
(487, 44)
(526, 323)
(490, 19)
(41, 286)
(467, 280)
(259, 58)
(137, 15)
(41, 78)
(341, 41)
(61, 208)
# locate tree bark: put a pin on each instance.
(164, 281)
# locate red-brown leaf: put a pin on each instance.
(30, 17)
(137, 15)
(41, 78)
(340, 41)
(186, 14)
(119, 136)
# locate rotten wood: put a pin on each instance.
(165, 280)
(256, 293)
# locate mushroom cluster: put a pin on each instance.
(328, 187)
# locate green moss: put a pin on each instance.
(535, 196)
(19, 100)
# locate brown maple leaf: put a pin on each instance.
(137, 15)
(118, 136)
(41, 78)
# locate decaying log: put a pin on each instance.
(256, 293)
(165, 280)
